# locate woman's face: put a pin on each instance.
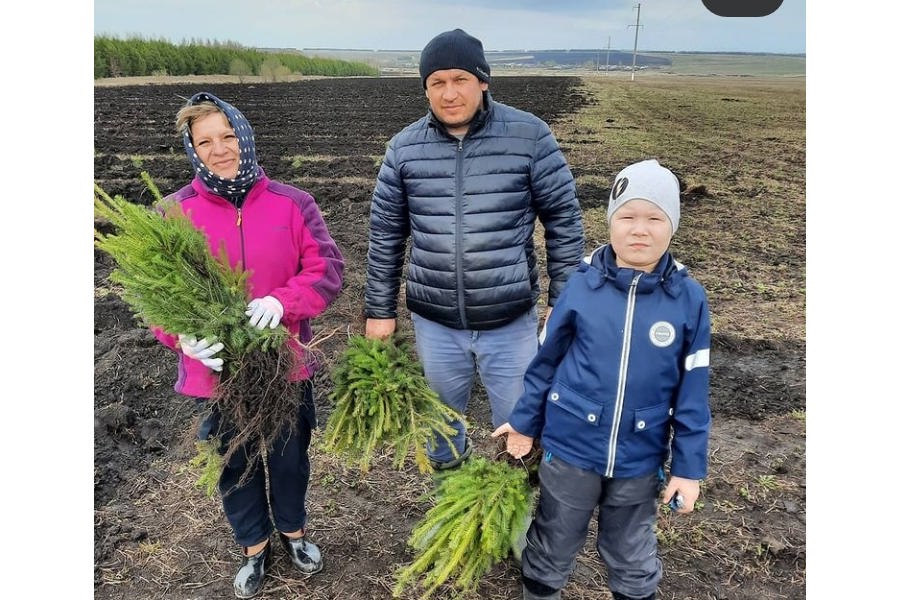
(217, 145)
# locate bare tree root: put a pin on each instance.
(256, 398)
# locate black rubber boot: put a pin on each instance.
(618, 596)
(455, 462)
(532, 589)
(304, 554)
(529, 595)
(250, 577)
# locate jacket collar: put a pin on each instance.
(600, 268)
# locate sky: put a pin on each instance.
(665, 25)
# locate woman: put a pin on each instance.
(276, 232)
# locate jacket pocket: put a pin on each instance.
(646, 419)
(585, 410)
(573, 425)
(647, 443)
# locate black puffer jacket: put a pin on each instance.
(470, 208)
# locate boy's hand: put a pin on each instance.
(517, 445)
(689, 489)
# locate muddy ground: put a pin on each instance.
(157, 536)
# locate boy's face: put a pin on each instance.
(640, 233)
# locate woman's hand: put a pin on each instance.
(203, 350)
(265, 311)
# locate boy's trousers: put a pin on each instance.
(626, 536)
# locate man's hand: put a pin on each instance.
(380, 329)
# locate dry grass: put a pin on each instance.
(740, 151)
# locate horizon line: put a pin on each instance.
(543, 50)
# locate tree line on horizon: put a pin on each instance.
(137, 57)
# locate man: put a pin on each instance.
(465, 184)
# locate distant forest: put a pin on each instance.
(137, 57)
(140, 57)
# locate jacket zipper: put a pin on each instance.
(460, 292)
(239, 223)
(623, 375)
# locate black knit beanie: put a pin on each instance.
(454, 50)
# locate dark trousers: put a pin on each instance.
(626, 536)
(247, 506)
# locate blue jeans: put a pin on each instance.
(451, 357)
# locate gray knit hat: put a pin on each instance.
(647, 180)
(454, 50)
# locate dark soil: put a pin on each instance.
(157, 536)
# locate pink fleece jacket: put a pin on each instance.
(281, 238)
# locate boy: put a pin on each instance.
(619, 386)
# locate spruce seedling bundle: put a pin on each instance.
(172, 281)
(382, 401)
(208, 461)
(481, 509)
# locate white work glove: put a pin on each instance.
(265, 311)
(201, 350)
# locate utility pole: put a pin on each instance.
(608, 38)
(636, 26)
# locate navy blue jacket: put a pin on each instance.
(622, 373)
(468, 208)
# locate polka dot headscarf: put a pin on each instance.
(248, 171)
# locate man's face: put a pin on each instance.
(455, 97)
